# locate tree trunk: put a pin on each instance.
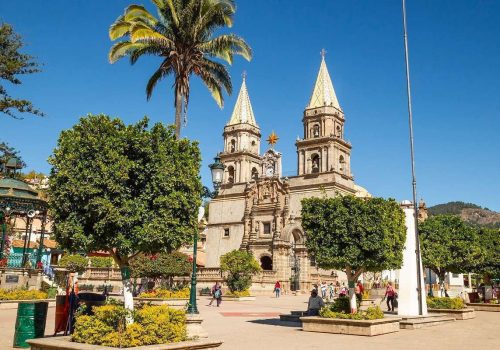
(351, 282)
(178, 113)
(128, 297)
(441, 275)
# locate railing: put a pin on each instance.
(15, 260)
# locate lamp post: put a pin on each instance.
(217, 171)
(3, 220)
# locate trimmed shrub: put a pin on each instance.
(372, 313)
(152, 325)
(445, 303)
(22, 294)
(101, 261)
(166, 294)
(341, 304)
(74, 263)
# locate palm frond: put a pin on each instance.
(122, 49)
(161, 72)
(119, 28)
(137, 11)
(225, 46)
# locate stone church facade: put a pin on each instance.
(259, 210)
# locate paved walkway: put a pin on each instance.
(254, 325)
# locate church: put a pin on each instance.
(259, 210)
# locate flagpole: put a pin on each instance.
(412, 156)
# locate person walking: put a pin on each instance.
(277, 289)
(323, 289)
(331, 290)
(390, 294)
(359, 291)
(343, 290)
(314, 304)
(214, 289)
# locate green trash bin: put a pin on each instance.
(30, 322)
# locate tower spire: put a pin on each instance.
(243, 112)
(323, 93)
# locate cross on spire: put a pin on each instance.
(244, 75)
(323, 53)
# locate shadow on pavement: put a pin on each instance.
(276, 322)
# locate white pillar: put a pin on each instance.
(407, 293)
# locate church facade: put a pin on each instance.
(259, 210)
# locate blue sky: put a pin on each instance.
(454, 57)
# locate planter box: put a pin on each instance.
(365, 303)
(352, 327)
(64, 343)
(460, 314)
(232, 298)
(12, 304)
(179, 303)
(484, 307)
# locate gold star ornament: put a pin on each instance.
(272, 139)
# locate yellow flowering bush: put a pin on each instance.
(22, 294)
(445, 303)
(372, 313)
(161, 293)
(153, 324)
(238, 293)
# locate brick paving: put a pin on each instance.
(254, 325)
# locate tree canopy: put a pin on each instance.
(182, 35)
(490, 243)
(13, 63)
(354, 235)
(347, 232)
(123, 189)
(240, 266)
(161, 266)
(448, 244)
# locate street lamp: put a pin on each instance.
(217, 170)
(431, 294)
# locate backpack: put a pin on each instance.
(217, 294)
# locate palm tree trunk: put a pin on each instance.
(178, 113)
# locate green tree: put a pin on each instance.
(182, 35)
(12, 64)
(489, 267)
(354, 235)
(448, 244)
(240, 266)
(161, 266)
(124, 189)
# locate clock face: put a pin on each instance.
(270, 171)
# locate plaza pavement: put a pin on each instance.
(254, 325)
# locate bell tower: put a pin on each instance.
(241, 155)
(323, 148)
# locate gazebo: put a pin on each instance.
(18, 199)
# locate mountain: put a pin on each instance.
(469, 212)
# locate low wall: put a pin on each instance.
(64, 343)
(352, 327)
(13, 278)
(484, 307)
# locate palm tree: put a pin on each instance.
(183, 36)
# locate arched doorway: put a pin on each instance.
(266, 263)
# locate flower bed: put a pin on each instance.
(445, 303)
(166, 294)
(152, 325)
(372, 313)
(238, 293)
(22, 294)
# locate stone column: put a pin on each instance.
(407, 294)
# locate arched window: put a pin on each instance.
(339, 131)
(316, 130)
(255, 174)
(266, 263)
(341, 163)
(315, 163)
(233, 145)
(230, 173)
